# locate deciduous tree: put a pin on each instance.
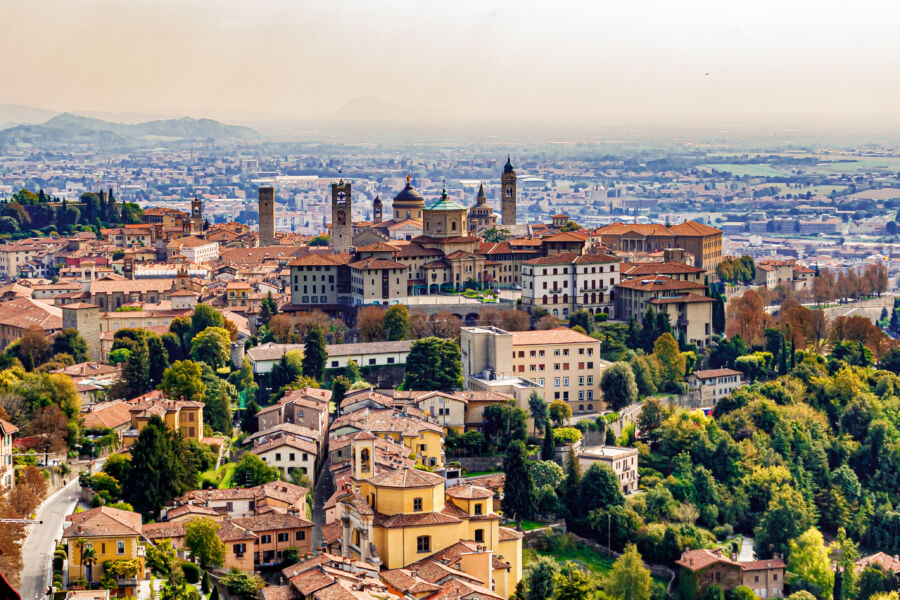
(201, 536)
(618, 385)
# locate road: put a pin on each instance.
(37, 551)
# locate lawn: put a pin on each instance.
(529, 525)
(220, 478)
(581, 554)
(480, 473)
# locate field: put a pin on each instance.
(581, 554)
(220, 479)
(747, 170)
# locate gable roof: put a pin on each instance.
(103, 521)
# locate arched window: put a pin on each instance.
(364, 460)
(545, 300)
(590, 407)
(555, 299)
(565, 298)
(555, 312)
(585, 298)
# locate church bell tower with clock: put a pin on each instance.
(508, 194)
(341, 221)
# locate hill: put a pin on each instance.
(68, 130)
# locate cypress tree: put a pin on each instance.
(519, 501)
(314, 354)
(548, 446)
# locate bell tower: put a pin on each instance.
(376, 211)
(508, 193)
(341, 221)
(197, 214)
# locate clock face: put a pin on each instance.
(341, 196)
(509, 191)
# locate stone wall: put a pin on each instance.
(480, 463)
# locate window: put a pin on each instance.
(229, 506)
(565, 381)
(479, 535)
(120, 547)
(283, 537)
(417, 504)
(556, 382)
(423, 544)
(278, 456)
(265, 539)
(300, 536)
(292, 456)
(239, 549)
(478, 508)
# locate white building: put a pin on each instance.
(263, 357)
(705, 388)
(622, 461)
(195, 249)
(566, 282)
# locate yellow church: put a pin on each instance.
(395, 518)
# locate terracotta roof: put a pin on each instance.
(271, 521)
(563, 258)
(7, 428)
(763, 565)
(103, 521)
(368, 264)
(590, 259)
(660, 283)
(285, 440)
(696, 560)
(888, 563)
(655, 268)
(406, 478)
(415, 520)
(277, 592)
(24, 312)
(713, 373)
(164, 530)
(686, 298)
(509, 534)
(108, 415)
(693, 228)
(469, 492)
(313, 260)
(558, 335)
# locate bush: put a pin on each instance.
(566, 435)
(723, 532)
(191, 572)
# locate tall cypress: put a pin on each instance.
(519, 498)
(314, 354)
(548, 445)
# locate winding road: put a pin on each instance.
(37, 551)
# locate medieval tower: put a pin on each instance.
(377, 211)
(266, 216)
(197, 215)
(341, 221)
(508, 193)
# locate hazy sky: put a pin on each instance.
(547, 58)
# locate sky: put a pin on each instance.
(627, 60)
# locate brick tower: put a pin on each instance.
(266, 216)
(508, 193)
(341, 221)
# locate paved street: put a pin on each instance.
(37, 551)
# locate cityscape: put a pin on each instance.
(598, 308)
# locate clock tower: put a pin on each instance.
(197, 214)
(508, 193)
(341, 221)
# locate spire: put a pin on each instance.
(509, 167)
(481, 195)
(340, 174)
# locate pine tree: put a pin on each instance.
(315, 357)
(519, 498)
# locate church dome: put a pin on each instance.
(408, 196)
(508, 168)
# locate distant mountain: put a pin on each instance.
(68, 130)
(371, 108)
(17, 114)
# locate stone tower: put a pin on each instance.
(266, 216)
(86, 319)
(341, 222)
(376, 211)
(197, 214)
(508, 193)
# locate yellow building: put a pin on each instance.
(395, 518)
(112, 535)
(178, 415)
(423, 438)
